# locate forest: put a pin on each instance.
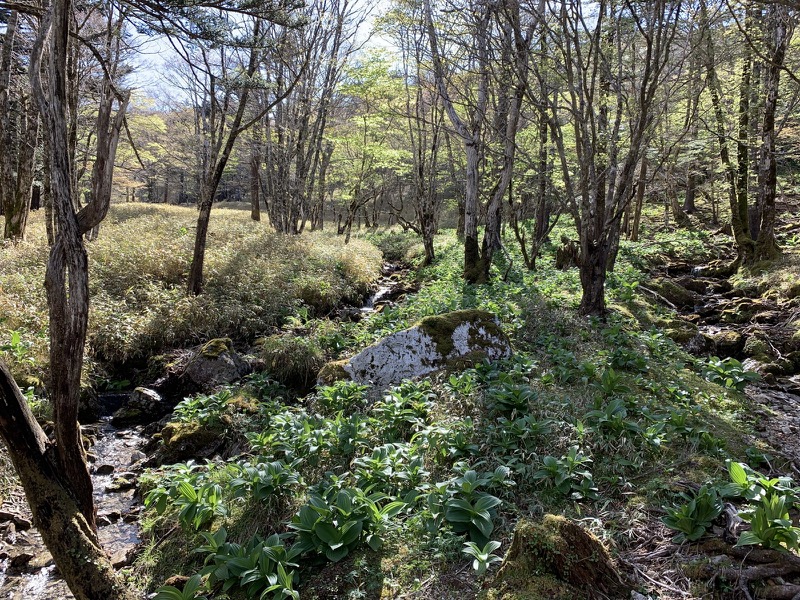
(436, 299)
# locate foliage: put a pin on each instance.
(204, 409)
(483, 556)
(335, 523)
(189, 592)
(771, 525)
(342, 395)
(569, 475)
(259, 567)
(186, 489)
(694, 518)
(727, 372)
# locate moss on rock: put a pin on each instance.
(758, 348)
(332, 372)
(676, 294)
(213, 348)
(555, 559)
(728, 342)
(182, 441)
(441, 328)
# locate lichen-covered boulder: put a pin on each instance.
(556, 559)
(215, 363)
(433, 344)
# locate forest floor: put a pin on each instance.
(396, 493)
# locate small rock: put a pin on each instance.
(120, 559)
(132, 516)
(126, 481)
(103, 521)
(143, 406)
(137, 455)
(104, 470)
(20, 523)
(177, 581)
(21, 560)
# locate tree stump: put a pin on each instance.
(556, 559)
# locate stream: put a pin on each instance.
(755, 329)
(27, 571)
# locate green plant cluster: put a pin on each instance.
(768, 502)
(727, 372)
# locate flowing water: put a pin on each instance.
(27, 571)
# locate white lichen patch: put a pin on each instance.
(430, 346)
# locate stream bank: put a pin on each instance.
(753, 323)
(116, 456)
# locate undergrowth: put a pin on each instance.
(603, 421)
(255, 281)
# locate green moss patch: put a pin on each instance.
(332, 372)
(441, 327)
(213, 348)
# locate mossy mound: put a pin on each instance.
(182, 441)
(555, 559)
(213, 348)
(293, 360)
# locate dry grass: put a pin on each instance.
(138, 269)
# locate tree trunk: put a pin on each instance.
(781, 27)
(196, 280)
(744, 243)
(593, 279)
(55, 477)
(255, 183)
(639, 201)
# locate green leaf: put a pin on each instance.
(737, 473)
(187, 491)
(328, 534)
(487, 502)
(337, 554)
(748, 538)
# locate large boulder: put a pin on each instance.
(201, 369)
(463, 336)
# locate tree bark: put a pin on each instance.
(781, 28)
(55, 477)
(744, 243)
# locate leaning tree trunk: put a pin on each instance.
(54, 475)
(58, 517)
